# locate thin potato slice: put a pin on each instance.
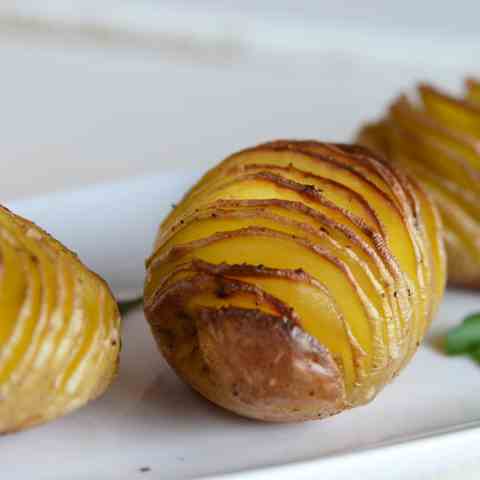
(456, 114)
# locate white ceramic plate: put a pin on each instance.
(150, 425)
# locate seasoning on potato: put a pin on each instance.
(437, 140)
(59, 328)
(295, 279)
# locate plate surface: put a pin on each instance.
(150, 425)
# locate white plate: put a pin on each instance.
(150, 420)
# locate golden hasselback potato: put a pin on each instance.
(295, 279)
(437, 140)
(59, 327)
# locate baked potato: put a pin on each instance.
(295, 279)
(437, 140)
(59, 327)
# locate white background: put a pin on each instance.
(92, 91)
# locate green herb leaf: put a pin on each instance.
(127, 306)
(476, 355)
(465, 337)
(473, 318)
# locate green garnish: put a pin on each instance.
(127, 306)
(465, 338)
(473, 318)
(476, 355)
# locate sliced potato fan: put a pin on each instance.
(437, 140)
(295, 279)
(59, 327)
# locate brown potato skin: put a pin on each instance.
(257, 365)
(275, 371)
(247, 349)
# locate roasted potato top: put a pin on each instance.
(295, 279)
(59, 327)
(437, 140)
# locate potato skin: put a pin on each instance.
(274, 288)
(253, 363)
(59, 328)
(436, 140)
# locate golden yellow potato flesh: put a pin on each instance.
(437, 140)
(295, 279)
(59, 328)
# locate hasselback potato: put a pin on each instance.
(59, 327)
(295, 279)
(437, 139)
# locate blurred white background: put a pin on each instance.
(97, 90)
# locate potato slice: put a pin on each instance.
(456, 114)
